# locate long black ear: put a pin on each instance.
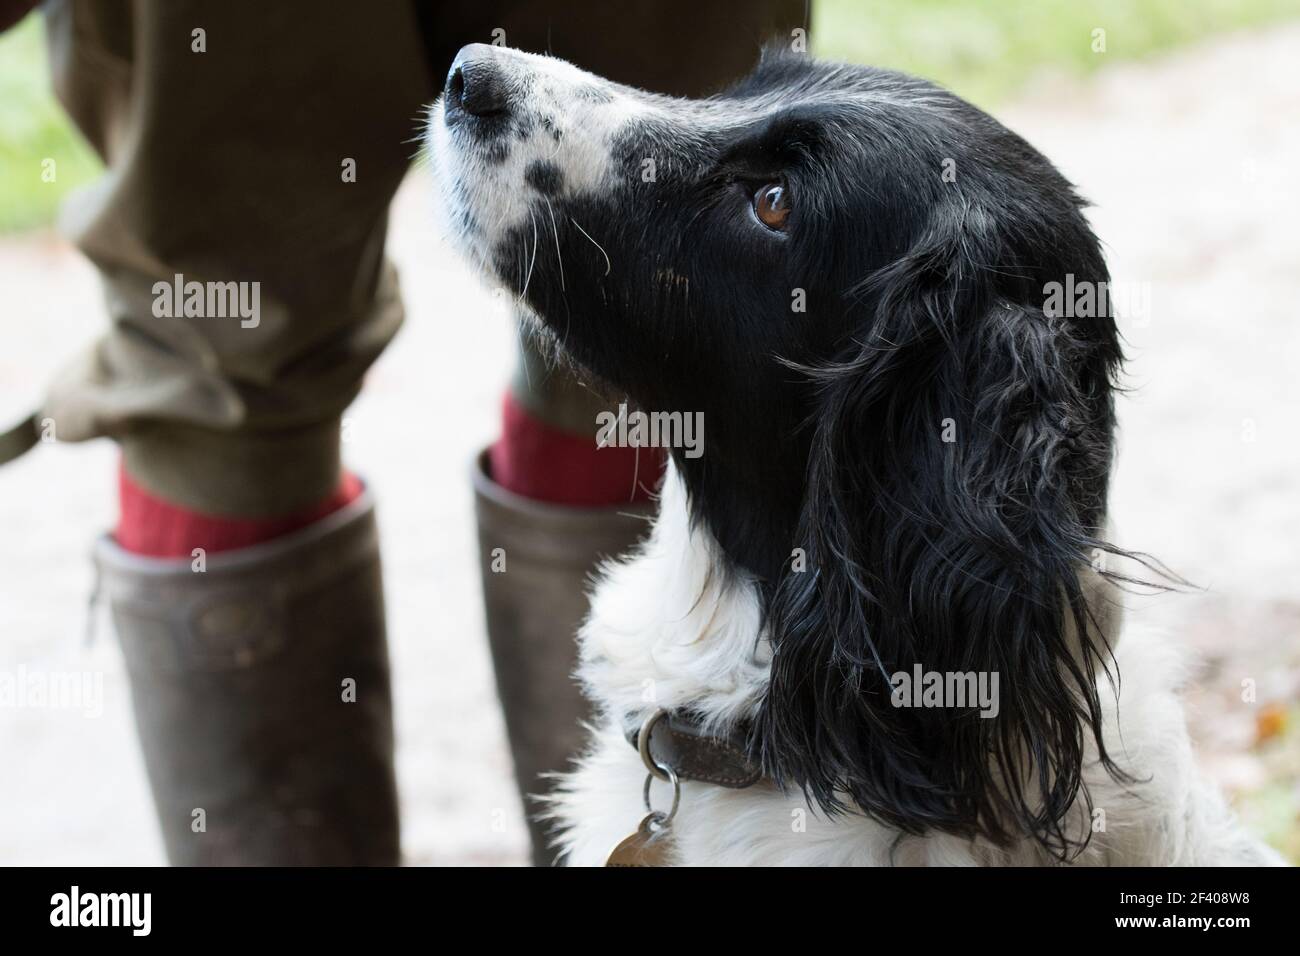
(956, 490)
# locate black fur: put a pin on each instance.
(924, 306)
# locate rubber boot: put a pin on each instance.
(537, 560)
(259, 679)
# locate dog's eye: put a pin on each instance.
(772, 205)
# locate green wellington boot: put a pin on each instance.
(261, 695)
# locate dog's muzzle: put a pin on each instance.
(513, 136)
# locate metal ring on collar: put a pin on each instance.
(643, 745)
(663, 818)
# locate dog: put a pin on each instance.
(843, 271)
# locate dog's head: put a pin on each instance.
(847, 271)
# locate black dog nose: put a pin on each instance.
(475, 84)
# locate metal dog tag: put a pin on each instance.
(647, 847)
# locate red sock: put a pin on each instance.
(151, 526)
(545, 463)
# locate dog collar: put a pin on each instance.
(674, 742)
(674, 747)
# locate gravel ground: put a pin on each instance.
(1195, 195)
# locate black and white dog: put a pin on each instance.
(844, 270)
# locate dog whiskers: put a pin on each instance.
(608, 265)
(556, 233)
(529, 278)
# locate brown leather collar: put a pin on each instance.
(677, 742)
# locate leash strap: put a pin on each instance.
(19, 439)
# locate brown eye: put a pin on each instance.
(772, 205)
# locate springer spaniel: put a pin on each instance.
(877, 619)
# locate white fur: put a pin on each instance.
(667, 628)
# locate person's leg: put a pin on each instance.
(252, 150)
(548, 500)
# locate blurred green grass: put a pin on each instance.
(986, 51)
(1273, 810)
(34, 128)
(983, 50)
